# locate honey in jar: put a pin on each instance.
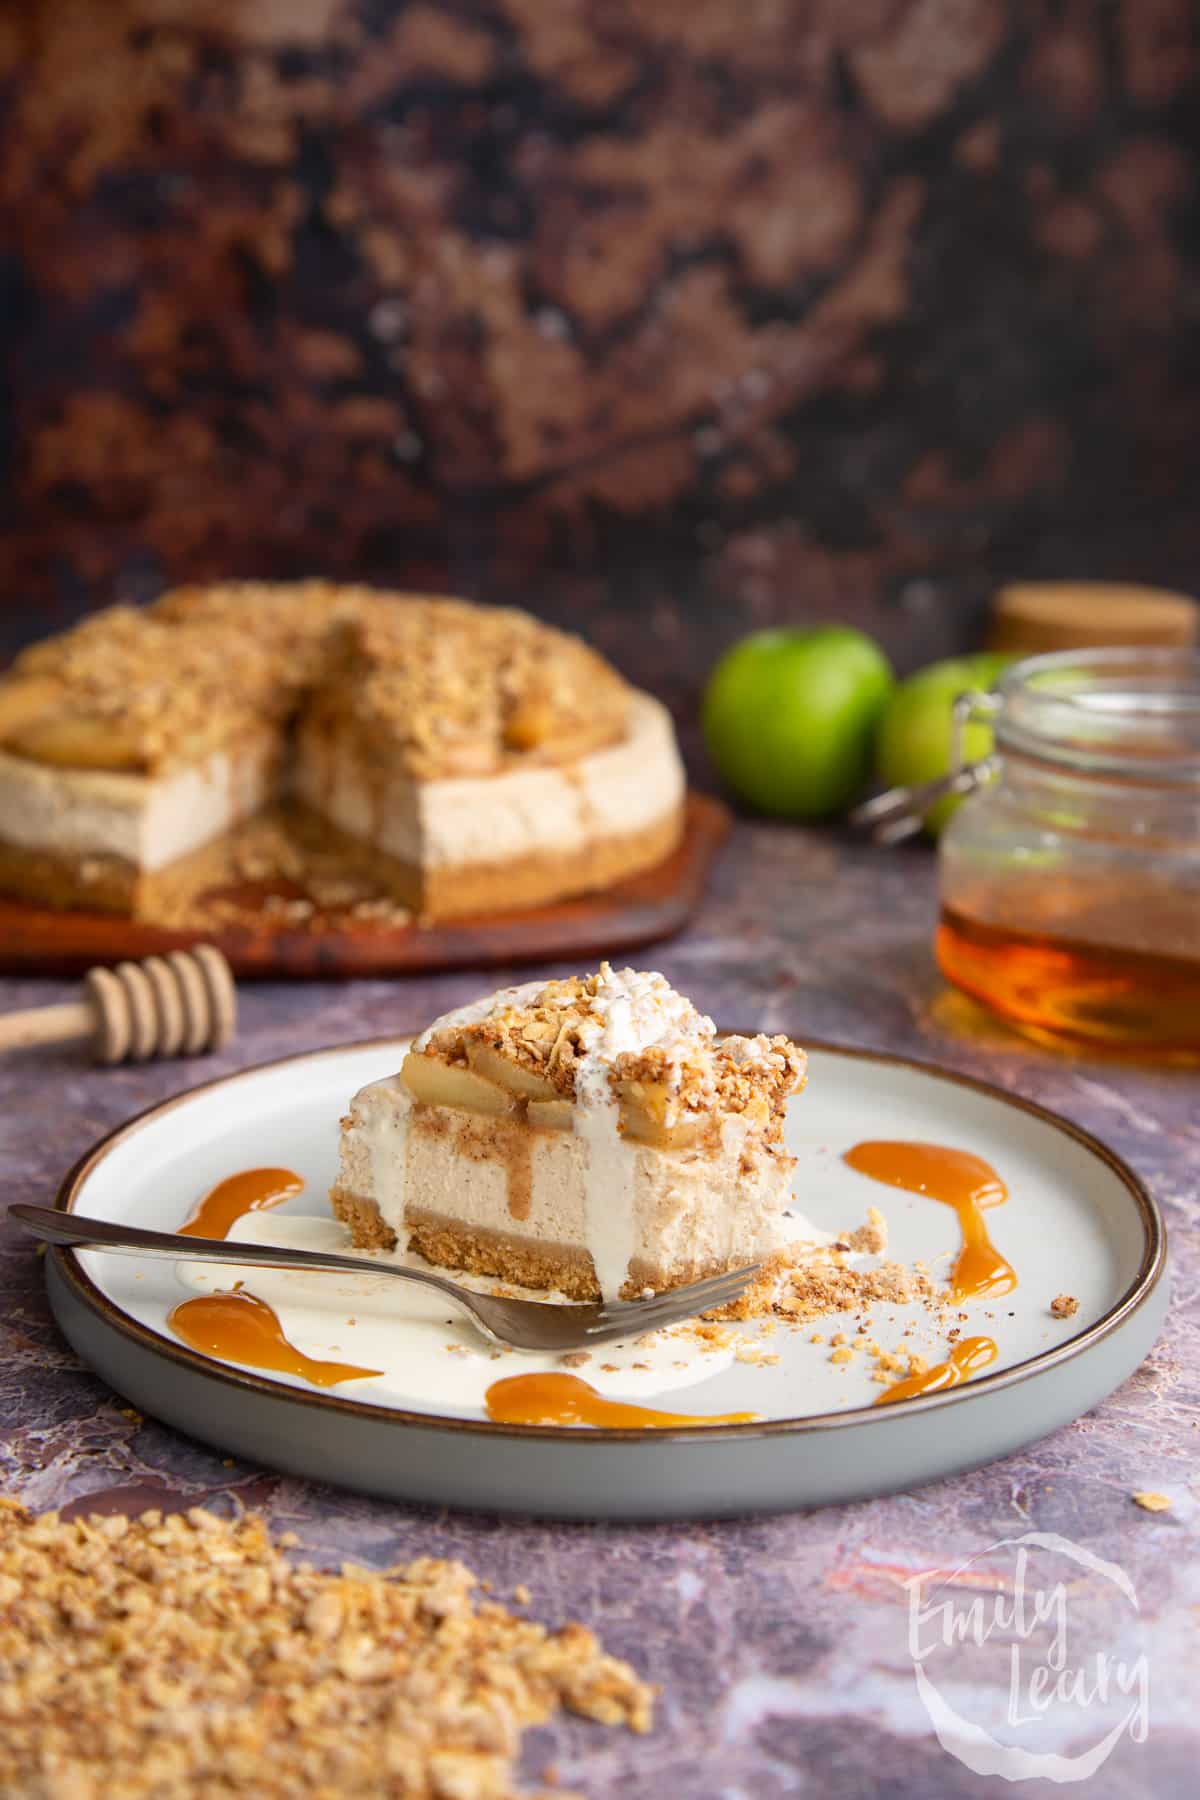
(1070, 882)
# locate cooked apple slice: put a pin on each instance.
(551, 1115)
(494, 1067)
(24, 699)
(686, 1135)
(528, 725)
(78, 741)
(643, 1115)
(648, 1100)
(438, 1083)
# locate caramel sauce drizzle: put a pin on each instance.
(966, 1359)
(238, 1327)
(518, 1169)
(505, 1138)
(251, 1190)
(552, 1399)
(957, 1179)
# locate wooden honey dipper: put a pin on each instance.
(180, 1004)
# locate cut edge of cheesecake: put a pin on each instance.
(592, 1136)
(110, 841)
(519, 838)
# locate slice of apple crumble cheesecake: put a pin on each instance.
(591, 1135)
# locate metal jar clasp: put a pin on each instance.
(900, 812)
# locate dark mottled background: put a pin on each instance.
(712, 311)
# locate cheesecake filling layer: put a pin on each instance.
(486, 820)
(375, 1154)
(494, 1187)
(147, 821)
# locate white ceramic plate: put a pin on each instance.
(1077, 1220)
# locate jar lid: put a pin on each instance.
(1032, 617)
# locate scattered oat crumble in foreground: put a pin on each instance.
(188, 1656)
(1152, 1502)
(1064, 1306)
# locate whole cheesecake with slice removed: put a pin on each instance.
(465, 759)
(592, 1135)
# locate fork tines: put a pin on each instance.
(677, 1303)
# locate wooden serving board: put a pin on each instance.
(262, 940)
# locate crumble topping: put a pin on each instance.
(653, 1044)
(445, 688)
(124, 691)
(1064, 1306)
(292, 609)
(439, 686)
(294, 618)
(187, 1655)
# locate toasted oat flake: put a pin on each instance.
(187, 1656)
(1152, 1502)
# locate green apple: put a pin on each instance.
(914, 739)
(789, 717)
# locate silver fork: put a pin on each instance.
(522, 1324)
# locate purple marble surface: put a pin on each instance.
(782, 1644)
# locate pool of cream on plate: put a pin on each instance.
(428, 1353)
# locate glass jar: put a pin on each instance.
(1070, 880)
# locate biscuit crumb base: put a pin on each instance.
(189, 1655)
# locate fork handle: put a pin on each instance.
(82, 1233)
